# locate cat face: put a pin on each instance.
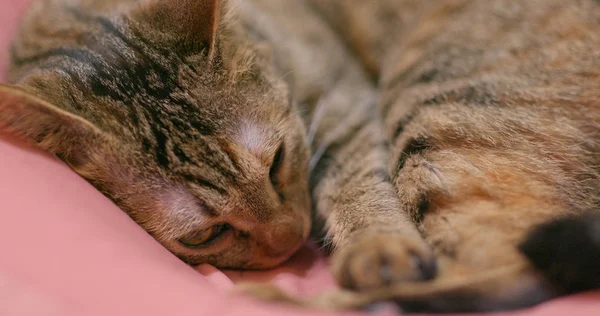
(190, 130)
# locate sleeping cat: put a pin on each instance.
(203, 121)
(196, 117)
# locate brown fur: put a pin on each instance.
(492, 112)
(177, 117)
(487, 118)
(167, 104)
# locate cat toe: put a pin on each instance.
(380, 260)
(427, 267)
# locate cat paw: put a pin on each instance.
(381, 259)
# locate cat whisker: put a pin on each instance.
(286, 74)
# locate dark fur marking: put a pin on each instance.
(470, 94)
(214, 159)
(128, 83)
(467, 95)
(163, 86)
(202, 127)
(568, 251)
(204, 183)
(326, 163)
(230, 155)
(134, 78)
(426, 76)
(422, 208)
(401, 123)
(161, 146)
(413, 146)
(180, 154)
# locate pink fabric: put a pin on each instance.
(67, 250)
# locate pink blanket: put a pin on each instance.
(67, 250)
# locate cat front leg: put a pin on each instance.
(373, 242)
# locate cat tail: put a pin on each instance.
(516, 286)
(563, 258)
(567, 251)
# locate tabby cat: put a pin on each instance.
(203, 119)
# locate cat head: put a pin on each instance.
(178, 119)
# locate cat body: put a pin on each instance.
(492, 114)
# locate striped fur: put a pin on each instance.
(484, 126)
(211, 123)
(492, 113)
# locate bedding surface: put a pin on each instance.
(67, 250)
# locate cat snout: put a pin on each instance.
(282, 238)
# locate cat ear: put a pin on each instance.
(59, 132)
(194, 21)
(96, 156)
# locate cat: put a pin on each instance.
(217, 130)
(227, 130)
(491, 110)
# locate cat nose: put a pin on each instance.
(284, 237)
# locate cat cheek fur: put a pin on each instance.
(94, 155)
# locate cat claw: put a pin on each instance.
(428, 267)
(381, 260)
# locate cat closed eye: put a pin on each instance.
(276, 166)
(204, 237)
